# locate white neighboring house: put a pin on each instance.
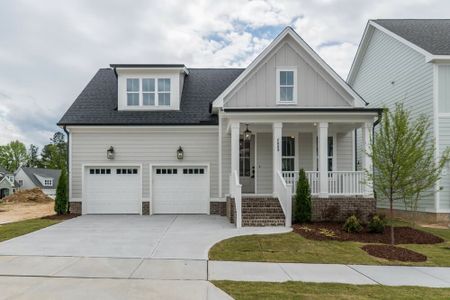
(408, 61)
(45, 179)
(167, 139)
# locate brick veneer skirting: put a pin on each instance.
(340, 208)
(231, 209)
(421, 217)
(146, 208)
(218, 208)
(75, 207)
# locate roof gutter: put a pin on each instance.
(67, 165)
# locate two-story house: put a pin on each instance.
(408, 61)
(168, 139)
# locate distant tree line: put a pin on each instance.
(53, 155)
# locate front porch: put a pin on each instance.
(265, 158)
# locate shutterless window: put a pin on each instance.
(148, 91)
(132, 91)
(164, 91)
(330, 154)
(288, 153)
(286, 86)
(244, 157)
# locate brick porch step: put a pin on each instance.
(262, 211)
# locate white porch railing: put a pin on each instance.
(339, 182)
(236, 193)
(283, 191)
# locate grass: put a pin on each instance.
(291, 247)
(15, 229)
(302, 290)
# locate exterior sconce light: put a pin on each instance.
(180, 153)
(247, 133)
(110, 153)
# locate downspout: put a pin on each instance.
(67, 166)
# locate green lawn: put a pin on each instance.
(301, 290)
(12, 230)
(291, 247)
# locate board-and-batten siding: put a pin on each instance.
(264, 163)
(144, 146)
(315, 87)
(305, 151)
(392, 72)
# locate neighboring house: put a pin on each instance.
(8, 184)
(408, 61)
(45, 179)
(167, 139)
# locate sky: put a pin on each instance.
(49, 50)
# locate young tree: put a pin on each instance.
(33, 159)
(400, 148)
(302, 212)
(61, 200)
(13, 155)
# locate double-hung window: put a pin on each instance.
(286, 86)
(133, 91)
(163, 91)
(148, 91)
(288, 153)
(48, 182)
(330, 153)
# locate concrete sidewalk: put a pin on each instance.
(333, 273)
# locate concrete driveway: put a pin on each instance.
(129, 236)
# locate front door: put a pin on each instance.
(247, 164)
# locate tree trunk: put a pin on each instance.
(391, 210)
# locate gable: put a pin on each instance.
(317, 85)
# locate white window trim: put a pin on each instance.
(315, 158)
(48, 180)
(294, 100)
(156, 92)
(295, 150)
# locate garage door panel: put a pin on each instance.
(180, 190)
(112, 190)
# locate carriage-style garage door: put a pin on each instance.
(112, 190)
(180, 190)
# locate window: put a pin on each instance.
(164, 91)
(148, 91)
(20, 182)
(194, 171)
(126, 171)
(286, 86)
(132, 91)
(288, 153)
(48, 182)
(244, 157)
(330, 153)
(99, 171)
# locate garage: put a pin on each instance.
(112, 190)
(180, 190)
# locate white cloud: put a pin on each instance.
(50, 49)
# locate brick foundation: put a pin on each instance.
(145, 208)
(230, 209)
(218, 208)
(421, 217)
(340, 208)
(75, 207)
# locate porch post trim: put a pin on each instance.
(276, 146)
(366, 159)
(234, 146)
(323, 159)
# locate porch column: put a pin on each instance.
(323, 159)
(276, 146)
(366, 159)
(235, 147)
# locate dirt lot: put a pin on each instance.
(24, 205)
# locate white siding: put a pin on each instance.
(305, 151)
(315, 87)
(144, 146)
(226, 159)
(444, 88)
(391, 72)
(344, 149)
(444, 132)
(264, 163)
(27, 183)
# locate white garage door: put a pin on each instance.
(112, 190)
(180, 190)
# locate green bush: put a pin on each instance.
(352, 225)
(302, 207)
(376, 224)
(61, 200)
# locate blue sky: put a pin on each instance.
(49, 50)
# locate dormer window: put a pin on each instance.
(151, 94)
(286, 85)
(132, 91)
(148, 91)
(164, 91)
(48, 182)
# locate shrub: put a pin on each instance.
(302, 211)
(61, 200)
(376, 224)
(352, 225)
(331, 212)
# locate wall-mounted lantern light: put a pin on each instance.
(247, 133)
(180, 153)
(110, 153)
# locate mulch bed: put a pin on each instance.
(324, 231)
(394, 253)
(61, 217)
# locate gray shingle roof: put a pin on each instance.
(432, 35)
(97, 103)
(49, 173)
